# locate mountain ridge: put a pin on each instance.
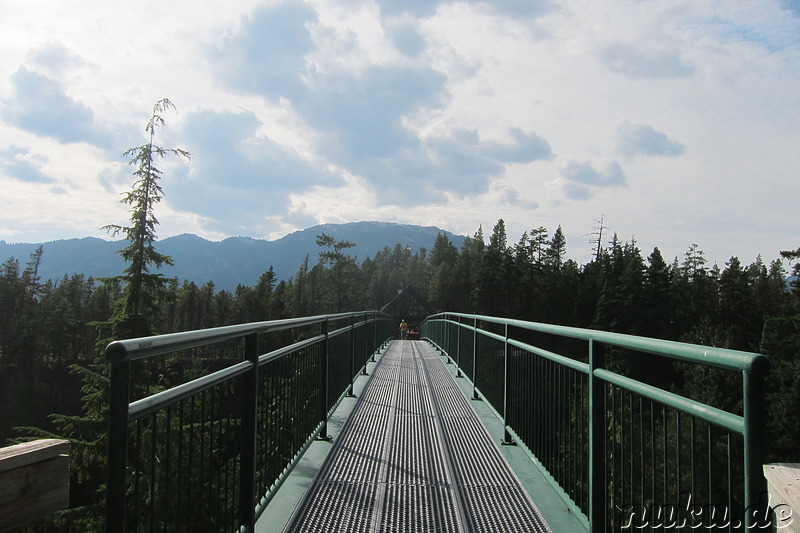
(229, 262)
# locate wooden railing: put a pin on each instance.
(34, 481)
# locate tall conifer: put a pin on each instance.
(133, 316)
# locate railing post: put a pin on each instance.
(475, 359)
(366, 344)
(117, 437)
(446, 326)
(458, 348)
(597, 507)
(247, 480)
(375, 338)
(352, 356)
(323, 384)
(756, 498)
(507, 439)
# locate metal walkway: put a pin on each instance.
(414, 456)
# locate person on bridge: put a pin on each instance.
(403, 329)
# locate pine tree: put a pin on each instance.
(340, 262)
(140, 297)
(444, 293)
(133, 315)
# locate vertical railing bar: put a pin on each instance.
(446, 338)
(612, 424)
(375, 340)
(730, 484)
(641, 449)
(597, 462)
(618, 474)
(559, 420)
(362, 331)
(218, 442)
(537, 406)
(548, 432)
(233, 418)
(228, 511)
(352, 337)
(692, 434)
(323, 383)
(179, 492)
(652, 455)
(137, 473)
(573, 414)
(190, 512)
(270, 371)
(209, 438)
(474, 359)
(153, 469)
(552, 413)
(566, 437)
(710, 467)
(507, 440)
(543, 408)
(730, 478)
(249, 399)
(664, 451)
(622, 422)
(584, 425)
(168, 466)
(631, 448)
(261, 462)
(553, 417)
(205, 469)
(458, 348)
(678, 463)
(213, 444)
(572, 425)
(201, 488)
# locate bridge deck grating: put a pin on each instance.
(414, 456)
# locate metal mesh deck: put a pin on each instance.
(414, 456)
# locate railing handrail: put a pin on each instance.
(724, 358)
(144, 347)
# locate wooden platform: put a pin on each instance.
(783, 481)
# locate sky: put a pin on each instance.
(673, 121)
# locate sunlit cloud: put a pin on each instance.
(644, 140)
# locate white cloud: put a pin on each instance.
(631, 59)
(40, 105)
(585, 173)
(638, 139)
(16, 163)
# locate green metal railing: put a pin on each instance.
(622, 453)
(209, 454)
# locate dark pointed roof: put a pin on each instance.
(409, 292)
